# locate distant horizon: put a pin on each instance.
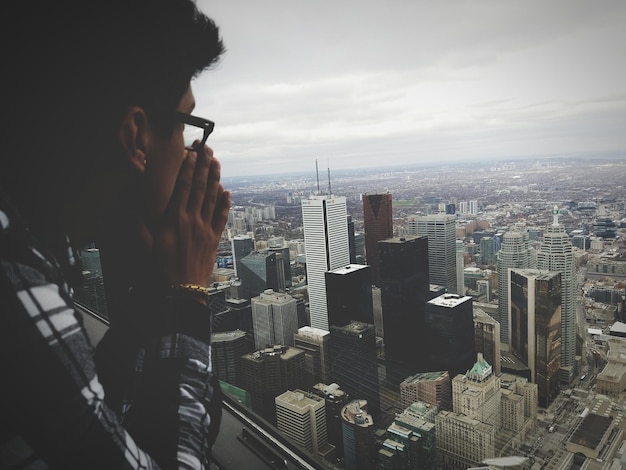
(619, 156)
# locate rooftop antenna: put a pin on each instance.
(318, 177)
(329, 191)
(555, 216)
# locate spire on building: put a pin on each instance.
(555, 216)
(481, 369)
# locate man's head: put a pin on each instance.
(82, 74)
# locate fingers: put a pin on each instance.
(182, 189)
(212, 191)
(222, 208)
(200, 179)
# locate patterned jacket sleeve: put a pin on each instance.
(53, 410)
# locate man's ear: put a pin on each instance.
(134, 136)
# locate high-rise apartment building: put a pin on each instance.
(514, 253)
(301, 416)
(316, 346)
(488, 250)
(440, 229)
(378, 224)
(404, 290)
(327, 247)
(269, 372)
(274, 319)
(450, 334)
(557, 254)
(349, 295)
(535, 303)
(353, 362)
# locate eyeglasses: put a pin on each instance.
(196, 129)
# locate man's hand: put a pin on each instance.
(185, 242)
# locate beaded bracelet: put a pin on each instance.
(191, 289)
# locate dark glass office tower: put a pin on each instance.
(227, 349)
(349, 295)
(242, 246)
(378, 224)
(353, 362)
(450, 334)
(269, 372)
(404, 285)
(260, 271)
(536, 327)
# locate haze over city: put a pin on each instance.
(371, 84)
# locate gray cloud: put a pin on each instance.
(372, 83)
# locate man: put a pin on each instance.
(99, 102)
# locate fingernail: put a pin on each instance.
(192, 157)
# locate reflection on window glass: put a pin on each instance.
(91, 292)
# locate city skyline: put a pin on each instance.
(370, 84)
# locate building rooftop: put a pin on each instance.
(425, 377)
(591, 431)
(312, 331)
(227, 336)
(349, 269)
(449, 300)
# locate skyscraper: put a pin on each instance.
(378, 224)
(349, 295)
(261, 270)
(476, 393)
(301, 416)
(460, 267)
(487, 338)
(242, 245)
(326, 243)
(535, 303)
(227, 348)
(335, 399)
(488, 250)
(269, 372)
(358, 436)
(404, 288)
(557, 254)
(514, 253)
(353, 362)
(274, 319)
(450, 334)
(440, 229)
(316, 346)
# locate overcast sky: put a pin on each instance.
(375, 83)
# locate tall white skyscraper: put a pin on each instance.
(325, 219)
(274, 319)
(440, 229)
(460, 267)
(514, 253)
(557, 254)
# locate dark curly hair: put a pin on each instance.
(73, 69)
